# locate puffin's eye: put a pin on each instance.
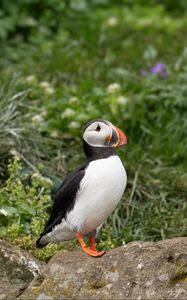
(98, 128)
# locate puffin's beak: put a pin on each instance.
(117, 137)
(122, 139)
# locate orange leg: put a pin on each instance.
(89, 250)
(92, 243)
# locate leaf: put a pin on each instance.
(2, 231)
(80, 5)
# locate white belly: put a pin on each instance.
(100, 191)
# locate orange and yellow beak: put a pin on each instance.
(117, 138)
(122, 139)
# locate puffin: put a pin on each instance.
(89, 194)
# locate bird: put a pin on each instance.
(90, 193)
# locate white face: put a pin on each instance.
(98, 134)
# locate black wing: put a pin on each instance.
(63, 200)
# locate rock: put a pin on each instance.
(139, 270)
(17, 270)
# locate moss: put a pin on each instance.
(53, 289)
(13, 270)
(68, 292)
(113, 269)
(181, 272)
(47, 286)
(96, 284)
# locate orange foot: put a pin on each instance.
(92, 251)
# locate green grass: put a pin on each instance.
(56, 77)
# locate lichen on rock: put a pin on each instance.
(140, 270)
(17, 270)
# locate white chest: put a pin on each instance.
(100, 191)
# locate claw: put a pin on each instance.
(93, 253)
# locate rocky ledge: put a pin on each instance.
(139, 270)
(17, 270)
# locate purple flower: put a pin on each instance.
(159, 68)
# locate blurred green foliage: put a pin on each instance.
(32, 18)
(23, 199)
(64, 63)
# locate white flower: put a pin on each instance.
(41, 178)
(49, 90)
(73, 100)
(30, 78)
(15, 154)
(44, 84)
(112, 21)
(36, 175)
(37, 119)
(74, 125)
(68, 112)
(54, 134)
(122, 100)
(43, 112)
(31, 22)
(113, 87)
(124, 244)
(3, 212)
(47, 180)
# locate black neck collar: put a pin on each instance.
(94, 153)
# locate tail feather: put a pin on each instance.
(40, 243)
